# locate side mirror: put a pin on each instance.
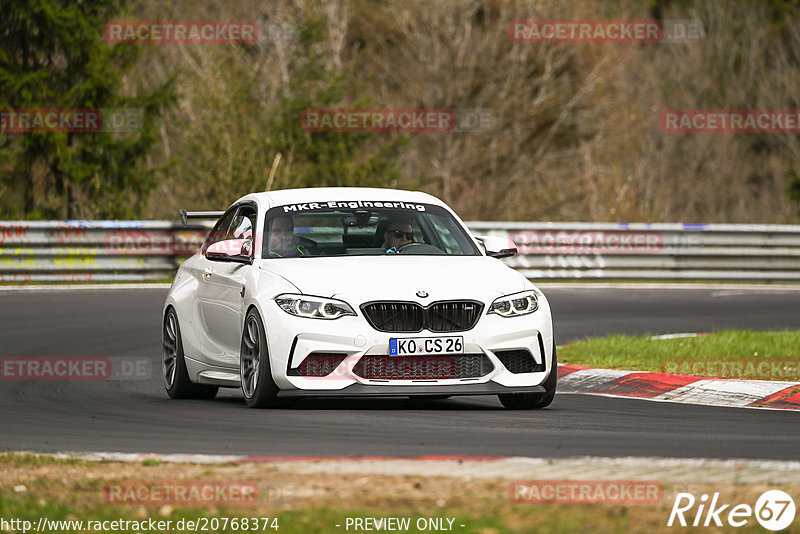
(236, 250)
(498, 247)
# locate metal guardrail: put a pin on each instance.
(99, 251)
(94, 251)
(642, 251)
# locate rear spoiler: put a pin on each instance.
(186, 215)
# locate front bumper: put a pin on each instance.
(292, 339)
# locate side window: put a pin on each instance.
(243, 227)
(244, 223)
(220, 232)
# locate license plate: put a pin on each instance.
(425, 345)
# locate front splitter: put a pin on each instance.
(366, 390)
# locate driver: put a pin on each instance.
(282, 241)
(398, 233)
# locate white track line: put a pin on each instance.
(739, 393)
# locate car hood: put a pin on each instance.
(397, 277)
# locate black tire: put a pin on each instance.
(173, 365)
(258, 387)
(534, 401)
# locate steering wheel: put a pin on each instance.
(407, 246)
(420, 249)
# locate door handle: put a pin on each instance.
(207, 272)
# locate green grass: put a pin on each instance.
(19, 459)
(483, 518)
(725, 354)
(66, 493)
(495, 520)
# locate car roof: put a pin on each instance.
(325, 194)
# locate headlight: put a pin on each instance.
(313, 307)
(516, 304)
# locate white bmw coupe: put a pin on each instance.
(354, 292)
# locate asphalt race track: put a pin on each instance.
(137, 416)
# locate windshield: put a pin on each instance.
(357, 228)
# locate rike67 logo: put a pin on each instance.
(774, 510)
